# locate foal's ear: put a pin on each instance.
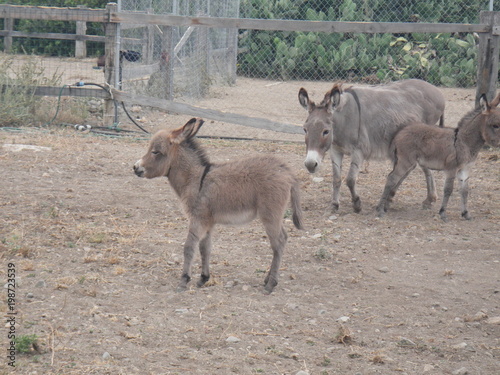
(483, 102)
(187, 131)
(304, 100)
(494, 103)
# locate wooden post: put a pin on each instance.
(81, 30)
(487, 75)
(110, 70)
(8, 25)
(148, 41)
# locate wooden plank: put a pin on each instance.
(21, 34)
(289, 25)
(206, 113)
(52, 13)
(67, 91)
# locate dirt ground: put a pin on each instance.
(97, 254)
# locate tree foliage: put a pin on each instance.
(443, 59)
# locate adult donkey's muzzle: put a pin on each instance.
(312, 161)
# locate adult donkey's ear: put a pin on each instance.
(304, 100)
(332, 98)
(187, 131)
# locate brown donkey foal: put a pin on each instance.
(230, 193)
(452, 150)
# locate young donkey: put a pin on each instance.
(231, 193)
(448, 149)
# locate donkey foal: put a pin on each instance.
(231, 193)
(451, 150)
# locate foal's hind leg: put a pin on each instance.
(205, 250)
(277, 238)
(394, 180)
(463, 179)
(431, 189)
(448, 189)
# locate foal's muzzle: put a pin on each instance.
(138, 169)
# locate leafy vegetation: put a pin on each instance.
(442, 59)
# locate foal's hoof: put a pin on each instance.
(427, 204)
(334, 207)
(356, 205)
(466, 215)
(202, 280)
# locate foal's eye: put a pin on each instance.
(496, 126)
(326, 132)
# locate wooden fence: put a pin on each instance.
(488, 30)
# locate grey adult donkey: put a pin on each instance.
(361, 122)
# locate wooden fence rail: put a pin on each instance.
(488, 30)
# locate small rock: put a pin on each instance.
(333, 217)
(318, 179)
(415, 295)
(233, 339)
(406, 342)
(106, 355)
(41, 284)
(30, 295)
(383, 269)
(462, 345)
(181, 311)
(428, 368)
(493, 320)
(343, 319)
(461, 371)
(301, 372)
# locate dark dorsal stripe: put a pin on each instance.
(205, 172)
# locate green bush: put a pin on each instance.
(442, 59)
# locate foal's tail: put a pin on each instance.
(298, 221)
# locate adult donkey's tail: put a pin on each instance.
(296, 209)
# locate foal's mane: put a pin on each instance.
(193, 145)
(469, 116)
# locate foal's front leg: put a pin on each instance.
(195, 233)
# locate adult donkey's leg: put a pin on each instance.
(356, 162)
(336, 158)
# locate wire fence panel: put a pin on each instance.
(195, 63)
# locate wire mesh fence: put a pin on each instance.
(194, 63)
